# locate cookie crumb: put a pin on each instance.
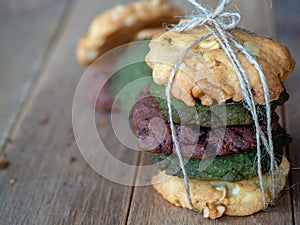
(44, 121)
(9, 141)
(103, 121)
(4, 164)
(72, 159)
(12, 181)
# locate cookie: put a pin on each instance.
(120, 24)
(207, 73)
(215, 198)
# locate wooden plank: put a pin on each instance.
(25, 37)
(148, 207)
(54, 185)
(289, 33)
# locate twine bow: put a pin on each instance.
(202, 15)
(218, 21)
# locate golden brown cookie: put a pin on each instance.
(120, 24)
(207, 73)
(215, 198)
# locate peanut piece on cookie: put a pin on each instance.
(207, 72)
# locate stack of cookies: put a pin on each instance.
(220, 157)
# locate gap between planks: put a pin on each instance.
(289, 182)
(138, 163)
(34, 87)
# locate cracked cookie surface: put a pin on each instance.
(215, 198)
(207, 73)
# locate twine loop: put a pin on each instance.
(202, 15)
(217, 21)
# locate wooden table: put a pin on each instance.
(48, 181)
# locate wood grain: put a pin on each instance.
(24, 41)
(54, 185)
(289, 32)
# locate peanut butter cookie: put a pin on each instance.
(207, 73)
(215, 198)
(120, 24)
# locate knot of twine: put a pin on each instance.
(218, 21)
(202, 15)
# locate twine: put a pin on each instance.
(217, 21)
